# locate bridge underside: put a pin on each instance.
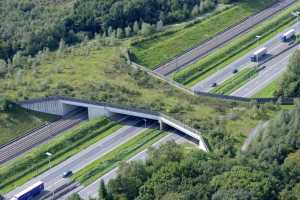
(62, 107)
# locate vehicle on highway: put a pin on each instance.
(214, 85)
(287, 36)
(257, 55)
(67, 174)
(30, 192)
(235, 71)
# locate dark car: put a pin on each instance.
(235, 71)
(67, 174)
(214, 85)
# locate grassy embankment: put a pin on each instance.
(111, 160)
(235, 82)
(235, 49)
(64, 146)
(155, 50)
(17, 121)
(93, 71)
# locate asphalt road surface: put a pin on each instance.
(53, 177)
(273, 69)
(39, 136)
(274, 46)
(203, 49)
(92, 190)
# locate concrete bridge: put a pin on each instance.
(58, 105)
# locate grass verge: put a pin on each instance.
(236, 49)
(156, 50)
(235, 82)
(269, 90)
(64, 146)
(17, 121)
(110, 160)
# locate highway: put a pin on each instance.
(53, 177)
(274, 46)
(39, 136)
(273, 69)
(92, 190)
(221, 39)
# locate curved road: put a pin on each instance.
(203, 49)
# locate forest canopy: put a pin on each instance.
(30, 26)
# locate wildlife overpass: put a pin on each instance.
(58, 105)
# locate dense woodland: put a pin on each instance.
(268, 170)
(28, 26)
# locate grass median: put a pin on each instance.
(153, 51)
(235, 49)
(62, 147)
(110, 160)
(235, 82)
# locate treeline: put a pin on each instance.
(290, 84)
(269, 170)
(30, 26)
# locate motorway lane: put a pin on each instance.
(274, 68)
(53, 177)
(92, 190)
(202, 50)
(274, 46)
(9, 152)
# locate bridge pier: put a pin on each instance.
(161, 125)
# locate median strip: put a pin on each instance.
(98, 168)
(235, 82)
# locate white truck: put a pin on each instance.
(288, 35)
(257, 55)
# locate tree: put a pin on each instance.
(290, 84)
(3, 67)
(242, 178)
(130, 178)
(4, 103)
(147, 29)
(128, 31)
(291, 167)
(136, 27)
(159, 26)
(102, 191)
(120, 33)
(195, 11)
(19, 60)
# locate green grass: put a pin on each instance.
(158, 50)
(235, 49)
(269, 90)
(17, 121)
(95, 72)
(111, 160)
(64, 146)
(235, 82)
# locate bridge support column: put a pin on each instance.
(161, 125)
